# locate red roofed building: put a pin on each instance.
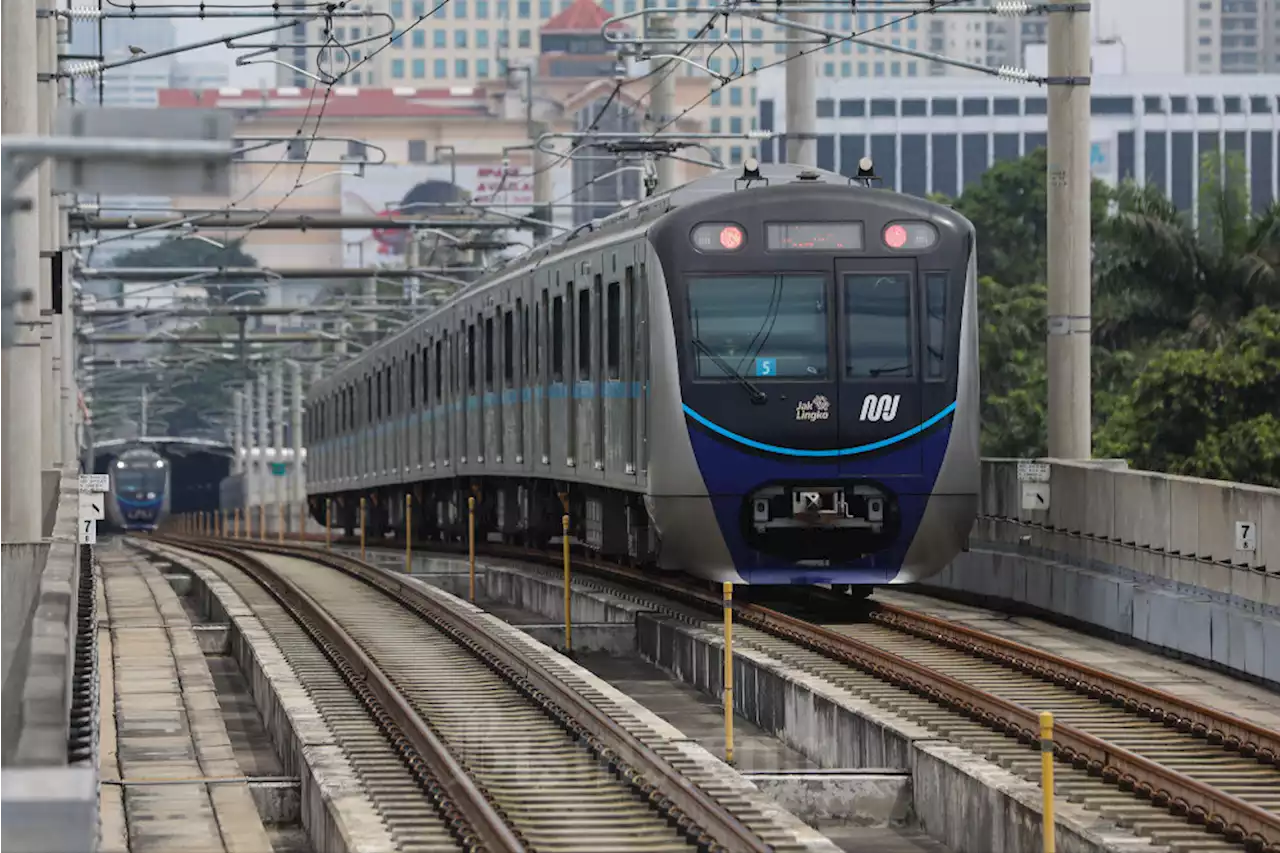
(573, 44)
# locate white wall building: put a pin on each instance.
(941, 136)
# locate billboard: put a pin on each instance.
(430, 191)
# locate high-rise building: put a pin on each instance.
(1233, 36)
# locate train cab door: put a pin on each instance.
(879, 397)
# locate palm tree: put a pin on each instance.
(1160, 279)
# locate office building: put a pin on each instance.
(1233, 36)
(941, 137)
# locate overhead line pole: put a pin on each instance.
(21, 368)
(802, 105)
(1069, 251)
(50, 332)
(662, 108)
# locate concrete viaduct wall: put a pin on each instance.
(1152, 557)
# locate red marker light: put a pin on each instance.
(895, 236)
(731, 237)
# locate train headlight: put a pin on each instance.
(159, 463)
(718, 237)
(119, 464)
(151, 496)
(911, 236)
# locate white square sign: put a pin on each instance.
(88, 531)
(1035, 497)
(1246, 536)
(95, 483)
(93, 506)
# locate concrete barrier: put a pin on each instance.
(1143, 556)
(23, 564)
(47, 805)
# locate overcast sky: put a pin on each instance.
(1152, 32)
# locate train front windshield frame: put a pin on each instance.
(140, 479)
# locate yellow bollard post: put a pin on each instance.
(408, 534)
(280, 522)
(568, 616)
(302, 522)
(362, 528)
(235, 523)
(262, 521)
(471, 544)
(728, 672)
(328, 517)
(1046, 780)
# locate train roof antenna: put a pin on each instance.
(750, 175)
(866, 174)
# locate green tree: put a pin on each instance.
(1008, 207)
(1209, 413)
(207, 393)
(1012, 359)
(1160, 280)
(188, 252)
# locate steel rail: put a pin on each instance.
(1201, 804)
(1182, 796)
(474, 812)
(1217, 727)
(664, 785)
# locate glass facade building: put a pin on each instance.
(942, 137)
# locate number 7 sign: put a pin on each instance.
(88, 531)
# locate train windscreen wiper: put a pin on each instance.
(757, 396)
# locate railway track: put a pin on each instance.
(1185, 774)
(513, 755)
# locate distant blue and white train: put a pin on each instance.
(139, 497)
(759, 378)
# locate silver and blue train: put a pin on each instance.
(767, 376)
(140, 486)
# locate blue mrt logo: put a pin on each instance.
(766, 367)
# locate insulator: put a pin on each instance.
(82, 13)
(1011, 8)
(1010, 72)
(82, 69)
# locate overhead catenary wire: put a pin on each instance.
(940, 4)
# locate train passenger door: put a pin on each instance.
(879, 398)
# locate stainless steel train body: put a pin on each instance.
(140, 490)
(766, 381)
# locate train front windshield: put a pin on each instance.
(140, 480)
(759, 325)
(778, 326)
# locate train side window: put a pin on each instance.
(541, 318)
(508, 348)
(935, 300)
(488, 353)
(613, 335)
(368, 393)
(413, 380)
(557, 340)
(425, 357)
(471, 357)
(440, 350)
(584, 334)
(877, 325)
